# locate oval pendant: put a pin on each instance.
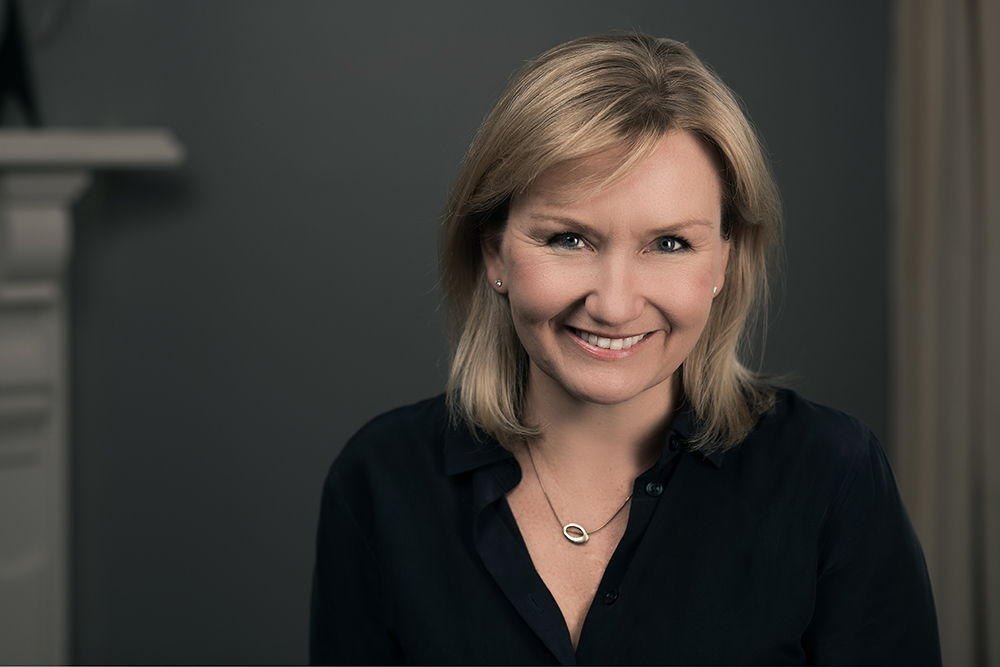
(579, 535)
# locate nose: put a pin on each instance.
(615, 298)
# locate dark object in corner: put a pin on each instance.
(14, 79)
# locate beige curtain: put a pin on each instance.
(946, 299)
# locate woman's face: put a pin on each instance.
(610, 292)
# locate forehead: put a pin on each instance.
(677, 177)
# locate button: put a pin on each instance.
(675, 442)
(654, 489)
(610, 598)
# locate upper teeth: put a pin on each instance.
(610, 343)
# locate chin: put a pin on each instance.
(609, 395)
(597, 386)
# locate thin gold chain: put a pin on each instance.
(549, 501)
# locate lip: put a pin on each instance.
(602, 353)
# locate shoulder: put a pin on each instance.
(811, 432)
(392, 455)
(401, 439)
(398, 429)
(873, 602)
(393, 464)
(806, 457)
(798, 417)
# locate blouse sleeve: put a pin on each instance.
(347, 620)
(873, 597)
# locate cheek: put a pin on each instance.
(685, 298)
(539, 289)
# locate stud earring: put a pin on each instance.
(715, 290)
(498, 282)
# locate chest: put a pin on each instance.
(704, 573)
(708, 582)
(571, 572)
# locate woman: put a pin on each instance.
(604, 482)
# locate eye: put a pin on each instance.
(671, 244)
(567, 241)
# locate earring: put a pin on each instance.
(714, 290)
(498, 282)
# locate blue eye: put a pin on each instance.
(671, 244)
(568, 241)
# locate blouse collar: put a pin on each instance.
(465, 451)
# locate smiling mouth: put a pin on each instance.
(608, 343)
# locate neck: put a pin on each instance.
(625, 438)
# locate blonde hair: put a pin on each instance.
(584, 96)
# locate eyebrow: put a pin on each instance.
(665, 230)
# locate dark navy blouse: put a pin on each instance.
(792, 548)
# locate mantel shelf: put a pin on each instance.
(89, 149)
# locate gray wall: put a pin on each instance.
(235, 321)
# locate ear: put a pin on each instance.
(721, 278)
(495, 267)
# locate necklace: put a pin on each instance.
(573, 532)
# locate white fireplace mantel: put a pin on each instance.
(42, 174)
